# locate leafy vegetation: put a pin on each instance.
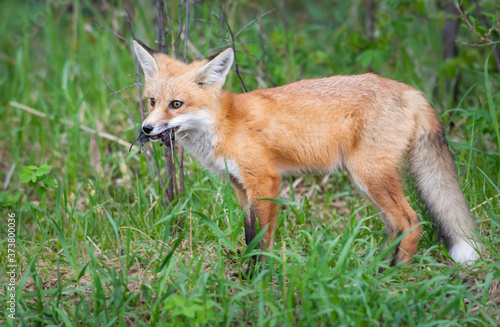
(99, 248)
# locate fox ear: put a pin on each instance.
(215, 71)
(146, 59)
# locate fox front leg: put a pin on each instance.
(259, 187)
(250, 221)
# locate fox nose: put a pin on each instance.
(147, 129)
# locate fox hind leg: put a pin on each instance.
(386, 192)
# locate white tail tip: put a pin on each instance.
(463, 252)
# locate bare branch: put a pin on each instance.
(169, 175)
(478, 44)
(125, 88)
(149, 154)
(181, 168)
(234, 50)
(179, 28)
(253, 21)
(8, 176)
(496, 51)
(160, 28)
(484, 40)
(172, 38)
(118, 36)
(119, 100)
(221, 26)
(226, 45)
(174, 177)
(70, 123)
(130, 20)
(201, 20)
(186, 24)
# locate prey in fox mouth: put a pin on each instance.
(166, 138)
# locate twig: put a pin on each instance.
(201, 20)
(8, 176)
(149, 151)
(495, 51)
(186, 23)
(485, 40)
(125, 88)
(118, 36)
(485, 202)
(97, 247)
(251, 72)
(146, 235)
(160, 28)
(233, 39)
(172, 38)
(174, 177)
(234, 51)
(179, 27)
(181, 168)
(71, 124)
(253, 21)
(169, 175)
(226, 45)
(283, 14)
(119, 100)
(243, 87)
(221, 28)
(129, 15)
(478, 44)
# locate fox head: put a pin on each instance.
(181, 96)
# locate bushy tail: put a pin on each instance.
(437, 181)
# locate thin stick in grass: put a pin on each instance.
(234, 50)
(119, 100)
(186, 25)
(169, 158)
(102, 26)
(253, 21)
(179, 28)
(172, 38)
(160, 28)
(221, 27)
(71, 124)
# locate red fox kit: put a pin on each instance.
(364, 124)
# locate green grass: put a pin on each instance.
(100, 249)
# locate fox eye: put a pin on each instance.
(153, 101)
(176, 104)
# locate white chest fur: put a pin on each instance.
(197, 135)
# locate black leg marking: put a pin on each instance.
(249, 225)
(396, 251)
(249, 236)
